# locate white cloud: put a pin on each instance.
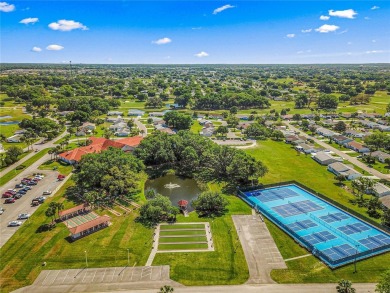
(162, 41)
(324, 17)
(375, 7)
(201, 54)
(5, 7)
(326, 28)
(290, 36)
(349, 13)
(222, 8)
(54, 47)
(36, 49)
(307, 30)
(67, 25)
(349, 43)
(376, 52)
(374, 41)
(196, 28)
(301, 52)
(29, 20)
(367, 18)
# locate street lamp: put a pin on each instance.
(86, 258)
(354, 263)
(128, 259)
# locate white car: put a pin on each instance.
(1, 211)
(23, 216)
(14, 223)
(47, 192)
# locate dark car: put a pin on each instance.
(22, 191)
(31, 183)
(27, 187)
(20, 185)
(18, 195)
(40, 199)
(7, 195)
(10, 200)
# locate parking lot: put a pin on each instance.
(23, 205)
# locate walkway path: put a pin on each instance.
(141, 127)
(353, 160)
(261, 252)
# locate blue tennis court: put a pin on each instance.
(331, 234)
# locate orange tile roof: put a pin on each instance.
(90, 224)
(99, 144)
(72, 210)
(131, 141)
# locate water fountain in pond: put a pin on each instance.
(171, 185)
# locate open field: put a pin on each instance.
(184, 232)
(183, 239)
(60, 166)
(181, 226)
(22, 260)
(11, 174)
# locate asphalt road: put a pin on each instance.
(353, 160)
(23, 205)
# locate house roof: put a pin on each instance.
(72, 210)
(322, 156)
(355, 145)
(90, 224)
(98, 145)
(380, 188)
(339, 167)
(340, 137)
(380, 154)
(131, 141)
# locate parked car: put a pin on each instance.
(47, 192)
(35, 202)
(6, 195)
(20, 185)
(9, 200)
(22, 191)
(23, 216)
(1, 210)
(40, 199)
(27, 187)
(61, 177)
(12, 191)
(32, 182)
(18, 195)
(14, 223)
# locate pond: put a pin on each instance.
(176, 188)
(5, 123)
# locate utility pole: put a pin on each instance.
(86, 258)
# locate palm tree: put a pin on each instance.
(345, 286)
(166, 289)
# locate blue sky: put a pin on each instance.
(162, 32)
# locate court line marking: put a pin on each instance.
(55, 278)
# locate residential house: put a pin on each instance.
(369, 124)
(305, 148)
(384, 128)
(329, 123)
(341, 139)
(123, 132)
(287, 116)
(64, 113)
(242, 116)
(382, 122)
(114, 113)
(208, 132)
(380, 190)
(325, 132)
(166, 130)
(135, 112)
(380, 156)
(338, 168)
(156, 114)
(354, 133)
(357, 147)
(346, 115)
(326, 159)
(118, 126)
(15, 138)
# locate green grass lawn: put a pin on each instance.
(11, 174)
(61, 167)
(222, 266)
(377, 104)
(196, 127)
(183, 232)
(182, 239)
(181, 226)
(21, 259)
(183, 246)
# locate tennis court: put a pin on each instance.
(330, 233)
